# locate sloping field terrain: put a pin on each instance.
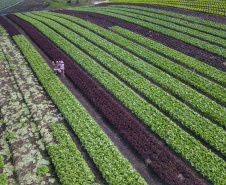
(12, 6)
(143, 99)
(216, 7)
(5, 4)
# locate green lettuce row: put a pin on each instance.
(216, 137)
(199, 125)
(200, 102)
(4, 179)
(186, 17)
(193, 5)
(191, 62)
(183, 20)
(2, 30)
(195, 80)
(113, 166)
(46, 76)
(166, 31)
(63, 156)
(199, 156)
(184, 26)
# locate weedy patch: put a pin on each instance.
(42, 170)
(22, 132)
(10, 135)
(33, 109)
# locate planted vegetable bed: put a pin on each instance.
(167, 105)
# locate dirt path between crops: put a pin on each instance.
(122, 145)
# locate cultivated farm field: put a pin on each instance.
(143, 99)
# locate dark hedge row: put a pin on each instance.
(108, 21)
(171, 170)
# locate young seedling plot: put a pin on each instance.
(142, 100)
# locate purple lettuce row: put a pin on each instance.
(160, 159)
(108, 21)
(11, 29)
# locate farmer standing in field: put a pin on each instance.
(62, 66)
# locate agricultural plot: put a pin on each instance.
(156, 77)
(215, 6)
(12, 6)
(8, 3)
(22, 103)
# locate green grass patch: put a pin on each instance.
(10, 135)
(3, 179)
